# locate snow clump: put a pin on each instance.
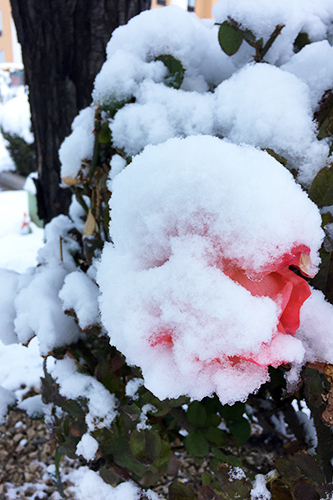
(219, 95)
(185, 215)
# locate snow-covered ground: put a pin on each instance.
(19, 365)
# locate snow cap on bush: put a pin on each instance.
(133, 48)
(215, 94)
(262, 16)
(196, 289)
(79, 146)
(279, 117)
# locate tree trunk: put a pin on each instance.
(63, 48)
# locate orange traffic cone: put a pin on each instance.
(25, 228)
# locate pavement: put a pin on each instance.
(9, 181)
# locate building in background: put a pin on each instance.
(202, 8)
(10, 49)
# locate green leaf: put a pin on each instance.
(326, 218)
(179, 491)
(326, 126)
(321, 191)
(232, 484)
(145, 444)
(324, 278)
(212, 404)
(109, 475)
(206, 479)
(305, 491)
(230, 38)
(163, 459)
(104, 135)
(197, 414)
(288, 470)
(280, 491)
(111, 443)
(241, 430)
(196, 444)
(215, 436)
(68, 447)
(315, 384)
(206, 492)
(277, 157)
(73, 408)
(213, 420)
(230, 459)
(112, 105)
(301, 40)
(309, 467)
(324, 116)
(175, 403)
(233, 412)
(176, 71)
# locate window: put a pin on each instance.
(2, 56)
(0, 23)
(190, 5)
(161, 2)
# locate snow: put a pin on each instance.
(14, 117)
(92, 487)
(171, 236)
(80, 293)
(306, 421)
(79, 146)
(319, 57)
(262, 16)
(316, 328)
(143, 417)
(132, 387)
(260, 491)
(13, 108)
(72, 384)
(20, 367)
(52, 328)
(236, 473)
(219, 94)
(175, 113)
(279, 117)
(87, 447)
(17, 252)
(8, 288)
(117, 164)
(133, 48)
(7, 398)
(33, 406)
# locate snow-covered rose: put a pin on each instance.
(196, 289)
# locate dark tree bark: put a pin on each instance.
(63, 48)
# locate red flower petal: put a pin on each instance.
(288, 290)
(300, 292)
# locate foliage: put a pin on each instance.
(22, 154)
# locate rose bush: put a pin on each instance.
(205, 266)
(206, 299)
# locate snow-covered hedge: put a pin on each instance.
(186, 302)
